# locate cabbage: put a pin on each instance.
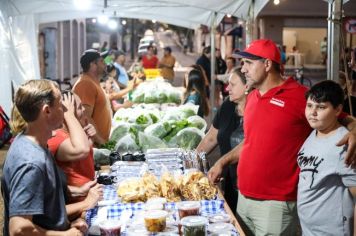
(120, 131)
(158, 130)
(198, 122)
(101, 156)
(174, 97)
(127, 144)
(148, 142)
(189, 138)
(176, 127)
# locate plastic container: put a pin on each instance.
(219, 218)
(155, 220)
(188, 208)
(194, 226)
(137, 230)
(221, 228)
(154, 206)
(110, 227)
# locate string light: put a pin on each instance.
(276, 2)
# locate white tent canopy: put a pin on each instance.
(19, 21)
(192, 12)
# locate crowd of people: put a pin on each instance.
(288, 154)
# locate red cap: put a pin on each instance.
(261, 48)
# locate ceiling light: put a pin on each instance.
(82, 4)
(103, 19)
(112, 24)
(276, 2)
(123, 22)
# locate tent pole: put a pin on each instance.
(334, 19)
(250, 23)
(212, 65)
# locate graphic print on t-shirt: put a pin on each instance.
(309, 164)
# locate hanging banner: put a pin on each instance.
(350, 25)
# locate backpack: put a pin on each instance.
(5, 130)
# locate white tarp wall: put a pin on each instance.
(18, 53)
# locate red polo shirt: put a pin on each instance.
(275, 128)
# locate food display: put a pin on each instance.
(152, 185)
(192, 186)
(132, 190)
(188, 208)
(170, 188)
(155, 220)
(142, 127)
(196, 186)
(156, 91)
(194, 226)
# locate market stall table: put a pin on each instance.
(112, 208)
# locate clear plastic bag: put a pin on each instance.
(189, 138)
(127, 144)
(158, 130)
(121, 129)
(198, 122)
(148, 141)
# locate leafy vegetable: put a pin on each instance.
(177, 126)
(198, 122)
(154, 118)
(148, 141)
(150, 99)
(189, 138)
(187, 112)
(110, 145)
(142, 119)
(138, 98)
(162, 98)
(127, 144)
(101, 156)
(174, 98)
(120, 131)
(158, 130)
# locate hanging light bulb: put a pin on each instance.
(228, 15)
(154, 21)
(276, 2)
(112, 24)
(123, 22)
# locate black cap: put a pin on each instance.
(168, 49)
(89, 56)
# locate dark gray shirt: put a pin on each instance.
(325, 205)
(31, 185)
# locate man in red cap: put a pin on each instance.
(275, 128)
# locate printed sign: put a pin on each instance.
(350, 25)
(152, 73)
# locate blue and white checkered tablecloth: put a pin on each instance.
(208, 207)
